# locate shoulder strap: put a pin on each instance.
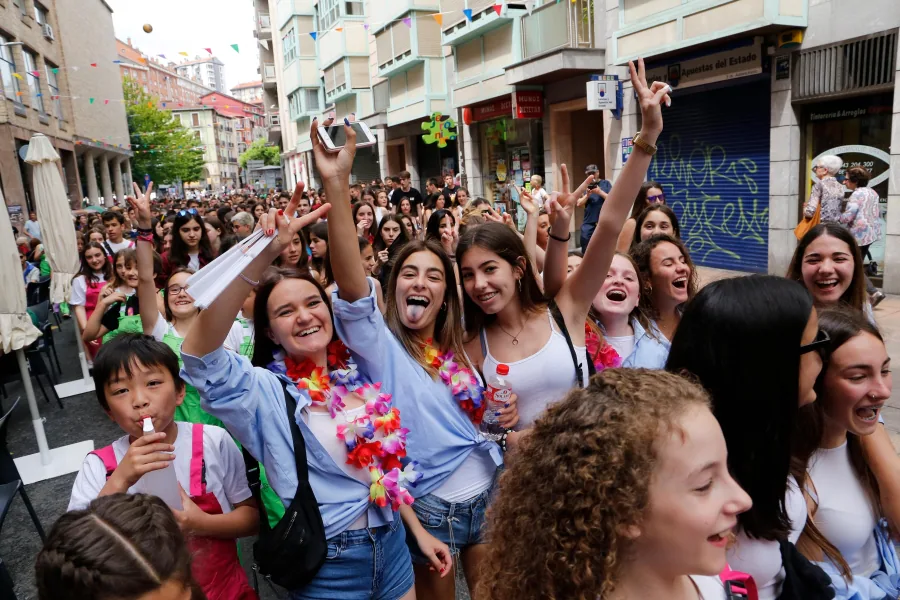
(561, 323)
(197, 485)
(108, 456)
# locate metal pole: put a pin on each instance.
(36, 419)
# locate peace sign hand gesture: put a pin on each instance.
(527, 201)
(276, 220)
(141, 205)
(650, 98)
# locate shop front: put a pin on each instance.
(509, 140)
(859, 131)
(713, 155)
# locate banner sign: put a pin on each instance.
(711, 68)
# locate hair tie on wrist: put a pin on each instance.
(559, 239)
(248, 280)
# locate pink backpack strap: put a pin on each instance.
(198, 486)
(741, 583)
(108, 456)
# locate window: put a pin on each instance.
(40, 14)
(21, 5)
(7, 68)
(195, 120)
(311, 100)
(329, 13)
(289, 46)
(354, 8)
(294, 104)
(53, 84)
(34, 83)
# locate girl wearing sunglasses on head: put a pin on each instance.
(650, 194)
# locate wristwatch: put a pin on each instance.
(645, 146)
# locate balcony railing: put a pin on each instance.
(558, 25)
(268, 75)
(264, 26)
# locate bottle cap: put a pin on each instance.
(148, 425)
(502, 369)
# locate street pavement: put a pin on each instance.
(887, 315)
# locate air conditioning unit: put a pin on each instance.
(48, 31)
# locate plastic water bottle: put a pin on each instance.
(496, 394)
(162, 482)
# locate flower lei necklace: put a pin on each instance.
(464, 386)
(375, 440)
(600, 352)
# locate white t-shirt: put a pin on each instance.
(709, 586)
(125, 243)
(194, 261)
(540, 197)
(623, 345)
(762, 558)
(225, 474)
(232, 341)
(78, 296)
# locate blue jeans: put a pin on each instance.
(363, 564)
(458, 525)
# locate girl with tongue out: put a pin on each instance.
(843, 500)
(506, 316)
(416, 351)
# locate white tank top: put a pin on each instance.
(762, 558)
(543, 378)
(325, 429)
(709, 587)
(844, 515)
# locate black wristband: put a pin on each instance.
(559, 239)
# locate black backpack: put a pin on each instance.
(291, 553)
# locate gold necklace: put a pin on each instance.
(515, 338)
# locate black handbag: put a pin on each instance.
(291, 553)
(802, 579)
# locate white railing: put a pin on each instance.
(558, 25)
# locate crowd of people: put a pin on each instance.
(341, 397)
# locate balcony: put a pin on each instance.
(457, 29)
(268, 76)
(286, 9)
(400, 48)
(653, 27)
(387, 11)
(558, 41)
(263, 26)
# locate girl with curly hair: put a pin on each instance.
(635, 499)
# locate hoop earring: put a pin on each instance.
(520, 285)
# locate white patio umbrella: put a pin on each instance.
(58, 233)
(16, 328)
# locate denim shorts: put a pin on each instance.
(458, 525)
(363, 564)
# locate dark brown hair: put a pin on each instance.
(593, 455)
(642, 253)
(855, 296)
(263, 346)
(859, 175)
(676, 228)
(502, 241)
(448, 332)
(169, 315)
(121, 547)
(842, 324)
(640, 202)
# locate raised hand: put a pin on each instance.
(562, 203)
(527, 201)
(276, 220)
(141, 205)
(333, 166)
(650, 98)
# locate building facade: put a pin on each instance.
(158, 79)
(250, 92)
(215, 131)
(209, 71)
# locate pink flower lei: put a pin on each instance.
(602, 354)
(375, 440)
(463, 384)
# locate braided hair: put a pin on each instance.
(122, 546)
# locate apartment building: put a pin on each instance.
(250, 123)
(209, 71)
(157, 78)
(215, 131)
(250, 91)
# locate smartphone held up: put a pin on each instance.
(334, 137)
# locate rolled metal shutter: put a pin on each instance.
(713, 164)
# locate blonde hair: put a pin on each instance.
(537, 179)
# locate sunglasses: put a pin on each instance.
(185, 212)
(658, 198)
(822, 342)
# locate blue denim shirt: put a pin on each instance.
(441, 435)
(250, 401)
(648, 352)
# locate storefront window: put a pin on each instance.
(859, 131)
(511, 152)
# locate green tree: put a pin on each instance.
(162, 148)
(259, 151)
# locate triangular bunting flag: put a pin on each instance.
(106, 102)
(235, 46)
(117, 62)
(407, 21)
(39, 95)
(439, 18)
(93, 64)
(150, 104)
(314, 34)
(91, 100)
(468, 13)
(498, 8)
(163, 104)
(209, 50)
(163, 56)
(183, 54)
(366, 26)
(17, 76)
(55, 69)
(36, 73)
(338, 28)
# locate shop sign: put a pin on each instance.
(627, 147)
(528, 105)
(501, 107)
(873, 159)
(711, 68)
